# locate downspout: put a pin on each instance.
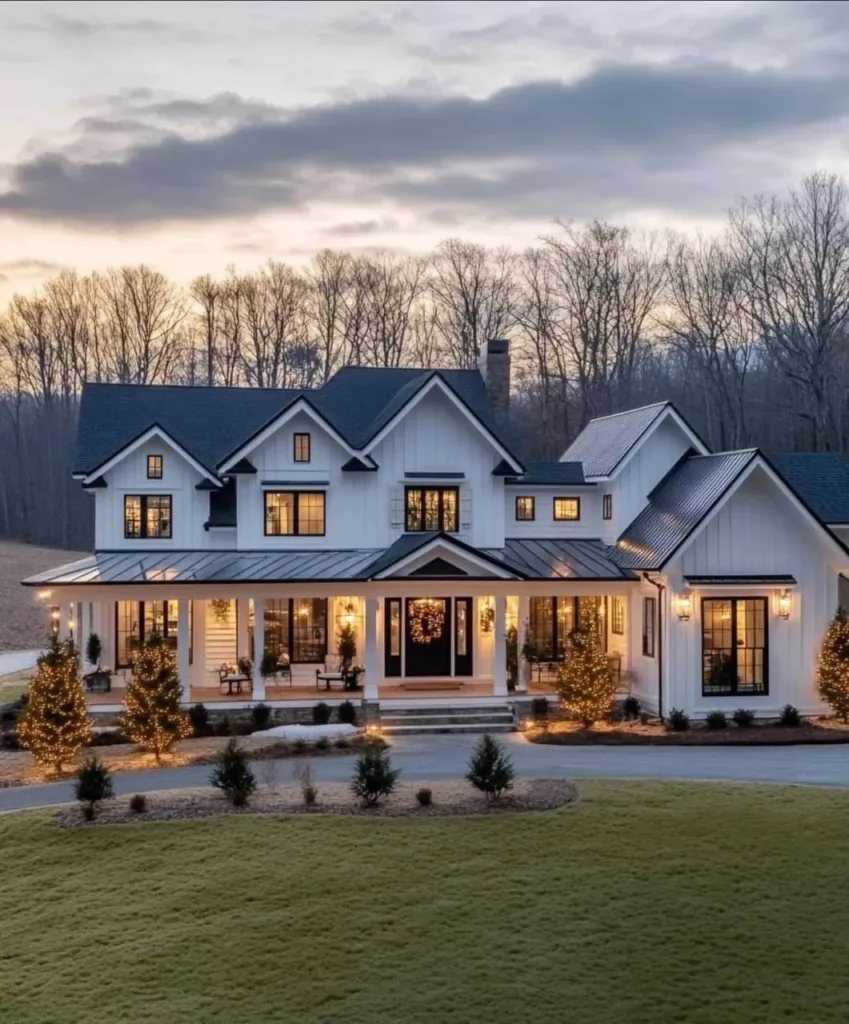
(661, 588)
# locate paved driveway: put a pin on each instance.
(445, 757)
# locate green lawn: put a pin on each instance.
(647, 902)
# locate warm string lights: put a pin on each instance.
(152, 715)
(833, 667)
(585, 681)
(426, 620)
(54, 725)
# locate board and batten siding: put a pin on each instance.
(758, 530)
(544, 525)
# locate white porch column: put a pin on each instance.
(183, 633)
(499, 653)
(259, 645)
(243, 647)
(521, 639)
(372, 668)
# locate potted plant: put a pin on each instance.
(352, 677)
(268, 666)
(346, 646)
(246, 666)
(98, 679)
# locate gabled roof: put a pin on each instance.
(211, 423)
(677, 505)
(567, 474)
(821, 479)
(605, 442)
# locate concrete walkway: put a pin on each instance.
(445, 757)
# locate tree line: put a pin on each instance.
(744, 329)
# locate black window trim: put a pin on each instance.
(295, 439)
(735, 692)
(295, 513)
(143, 535)
(607, 506)
(161, 465)
(565, 519)
(290, 630)
(442, 492)
(649, 603)
(617, 602)
(167, 635)
(525, 519)
(556, 639)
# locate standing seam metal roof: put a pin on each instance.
(605, 441)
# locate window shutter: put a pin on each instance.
(396, 508)
(465, 509)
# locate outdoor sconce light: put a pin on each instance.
(785, 604)
(684, 606)
(348, 617)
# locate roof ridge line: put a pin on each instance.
(627, 412)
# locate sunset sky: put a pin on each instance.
(193, 135)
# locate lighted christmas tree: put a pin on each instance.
(833, 669)
(54, 724)
(153, 717)
(585, 681)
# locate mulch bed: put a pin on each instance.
(638, 734)
(449, 799)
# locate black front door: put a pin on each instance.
(428, 637)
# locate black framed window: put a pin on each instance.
(431, 509)
(294, 514)
(138, 621)
(607, 506)
(566, 510)
(296, 628)
(552, 619)
(302, 447)
(617, 616)
(735, 657)
(154, 467)
(525, 509)
(147, 516)
(649, 625)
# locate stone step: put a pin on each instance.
(419, 729)
(447, 718)
(473, 711)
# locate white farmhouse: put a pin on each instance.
(250, 528)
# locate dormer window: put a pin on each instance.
(431, 509)
(525, 509)
(567, 510)
(154, 467)
(302, 448)
(147, 516)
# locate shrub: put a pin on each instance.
(790, 717)
(743, 718)
(93, 784)
(716, 720)
(321, 713)
(585, 682)
(322, 743)
(347, 713)
(261, 714)
(110, 738)
(303, 775)
(341, 743)
(232, 774)
(424, 796)
(373, 776)
(222, 726)
(631, 709)
(138, 803)
(490, 769)
(199, 720)
(152, 714)
(539, 708)
(299, 747)
(678, 721)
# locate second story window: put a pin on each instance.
(302, 448)
(607, 506)
(147, 516)
(294, 513)
(154, 467)
(567, 510)
(430, 509)
(525, 509)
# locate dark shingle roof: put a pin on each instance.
(677, 505)
(569, 474)
(821, 479)
(212, 423)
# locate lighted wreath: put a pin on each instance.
(221, 610)
(427, 620)
(487, 617)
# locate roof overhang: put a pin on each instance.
(732, 581)
(470, 561)
(154, 432)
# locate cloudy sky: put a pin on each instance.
(193, 135)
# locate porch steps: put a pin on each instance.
(420, 721)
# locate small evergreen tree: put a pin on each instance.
(490, 769)
(833, 669)
(94, 783)
(152, 714)
(93, 650)
(232, 774)
(54, 724)
(585, 682)
(374, 775)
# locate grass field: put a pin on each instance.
(646, 903)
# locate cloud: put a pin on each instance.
(621, 132)
(32, 266)
(360, 227)
(70, 28)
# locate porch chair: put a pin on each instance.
(332, 672)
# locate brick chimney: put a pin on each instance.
(494, 365)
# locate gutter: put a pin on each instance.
(661, 588)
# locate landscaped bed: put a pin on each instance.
(654, 734)
(642, 902)
(447, 799)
